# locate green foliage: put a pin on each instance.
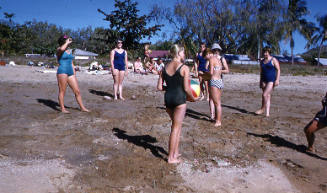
(294, 21)
(126, 24)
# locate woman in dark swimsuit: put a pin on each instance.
(269, 78)
(176, 76)
(200, 69)
(119, 68)
(66, 73)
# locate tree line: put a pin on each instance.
(239, 26)
(243, 26)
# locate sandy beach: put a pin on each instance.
(121, 146)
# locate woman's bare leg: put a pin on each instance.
(216, 97)
(72, 82)
(201, 88)
(120, 84)
(266, 96)
(309, 131)
(115, 75)
(62, 84)
(207, 89)
(178, 117)
(211, 106)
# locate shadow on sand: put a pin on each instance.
(145, 141)
(193, 114)
(280, 142)
(52, 104)
(239, 109)
(100, 93)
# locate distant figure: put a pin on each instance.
(200, 69)
(119, 68)
(318, 122)
(269, 78)
(150, 66)
(66, 73)
(176, 77)
(159, 66)
(147, 53)
(217, 66)
(138, 66)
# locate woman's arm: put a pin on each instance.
(210, 66)
(126, 63)
(160, 82)
(196, 64)
(73, 68)
(276, 64)
(112, 55)
(186, 74)
(225, 65)
(62, 48)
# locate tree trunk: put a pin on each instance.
(258, 57)
(292, 49)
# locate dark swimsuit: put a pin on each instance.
(175, 94)
(268, 73)
(119, 61)
(65, 64)
(202, 63)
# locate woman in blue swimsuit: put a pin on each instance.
(200, 70)
(66, 73)
(176, 76)
(119, 68)
(269, 78)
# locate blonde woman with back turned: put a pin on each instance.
(176, 76)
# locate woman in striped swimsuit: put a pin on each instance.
(217, 66)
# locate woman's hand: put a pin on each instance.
(69, 41)
(276, 83)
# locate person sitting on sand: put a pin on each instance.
(269, 79)
(138, 66)
(66, 73)
(176, 77)
(318, 122)
(150, 66)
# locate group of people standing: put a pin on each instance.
(210, 67)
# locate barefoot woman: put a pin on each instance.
(217, 66)
(66, 73)
(269, 78)
(176, 76)
(200, 69)
(119, 68)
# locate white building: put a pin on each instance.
(84, 55)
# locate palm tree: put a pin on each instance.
(294, 21)
(320, 34)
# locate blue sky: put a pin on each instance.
(82, 13)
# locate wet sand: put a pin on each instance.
(122, 146)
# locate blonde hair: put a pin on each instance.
(175, 49)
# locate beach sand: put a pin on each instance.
(122, 146)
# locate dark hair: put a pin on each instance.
(119, 40)
(266, 49)
(206, 52)
(62, 39)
